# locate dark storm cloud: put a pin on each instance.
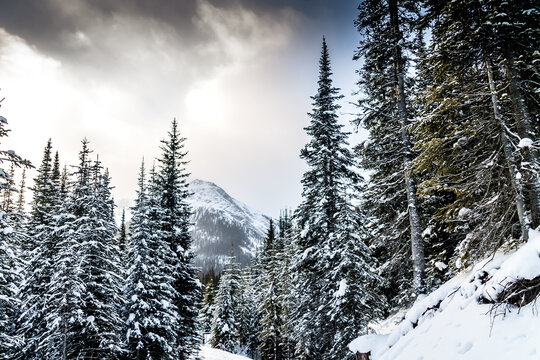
(47, 24)
(44, 23)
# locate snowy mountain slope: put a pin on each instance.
(460, 321)
(223, 224)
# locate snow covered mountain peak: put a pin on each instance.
(223, 225)
(206, 192)
(207, 195)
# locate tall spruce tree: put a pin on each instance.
(10, 265)
(85, 297)
(355, 300)
(248, 314)
(45, 189)
(208, 305)
(122, 235)
(150, 316)
(467, 135)
(40, 251)
(326, 219)
(386, 41)
(285, 274)
(174, 226)
(9, 301)
(8, 201)
(102, 270)
(21, 198)
(226, 320)
(272, 342)
(515, 41)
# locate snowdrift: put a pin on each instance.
(209, 353)
(489, 313)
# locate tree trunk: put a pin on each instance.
(509, 156)
(362, 356)
(64, 337)
(525, 130)
(417, 247)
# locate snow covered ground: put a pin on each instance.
(453, 323)
(208, 353)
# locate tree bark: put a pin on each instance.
(362, 356)
(64, 337)
(525, 130)
(509, 156)
(417, 247)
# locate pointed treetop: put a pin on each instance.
(21, 201)
(84, 153)
(142, 174)
(45, 167)
(141, 183)
(325, 58)
(270, 235)
(64, 178)
(123, 234)
(56, 167)
(48, 147)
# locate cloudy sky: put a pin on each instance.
(237, 74)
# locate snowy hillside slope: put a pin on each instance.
(208, 353)
(223, 224)
(460, 321)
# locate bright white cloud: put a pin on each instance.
(128, 76)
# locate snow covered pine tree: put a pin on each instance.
(269, 301)
(174, 225)
(226, 313)
(466, 121)
(332, 263)
(39, 254)
(385, 44)
(9, 266)
(84, 296)
(150, 316)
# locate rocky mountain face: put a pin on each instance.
(223, 226)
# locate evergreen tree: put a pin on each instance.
(64, 183)
(174, 226)
(151, 317)
(21, 201)
(40, 251)
(102, 271)
(272, 341)
(9, 278)
(63, 314)
(515, 41)
(122, 236)
(8, 203)
(225, 321)
(355, 300)
(285, 274)
(325, 219)
(248, 315)
(9, 258)
(44, 200)
(387, 40)
(83, 308)
(208, 306)
(466, 136)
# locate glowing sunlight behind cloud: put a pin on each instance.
(118, 76)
